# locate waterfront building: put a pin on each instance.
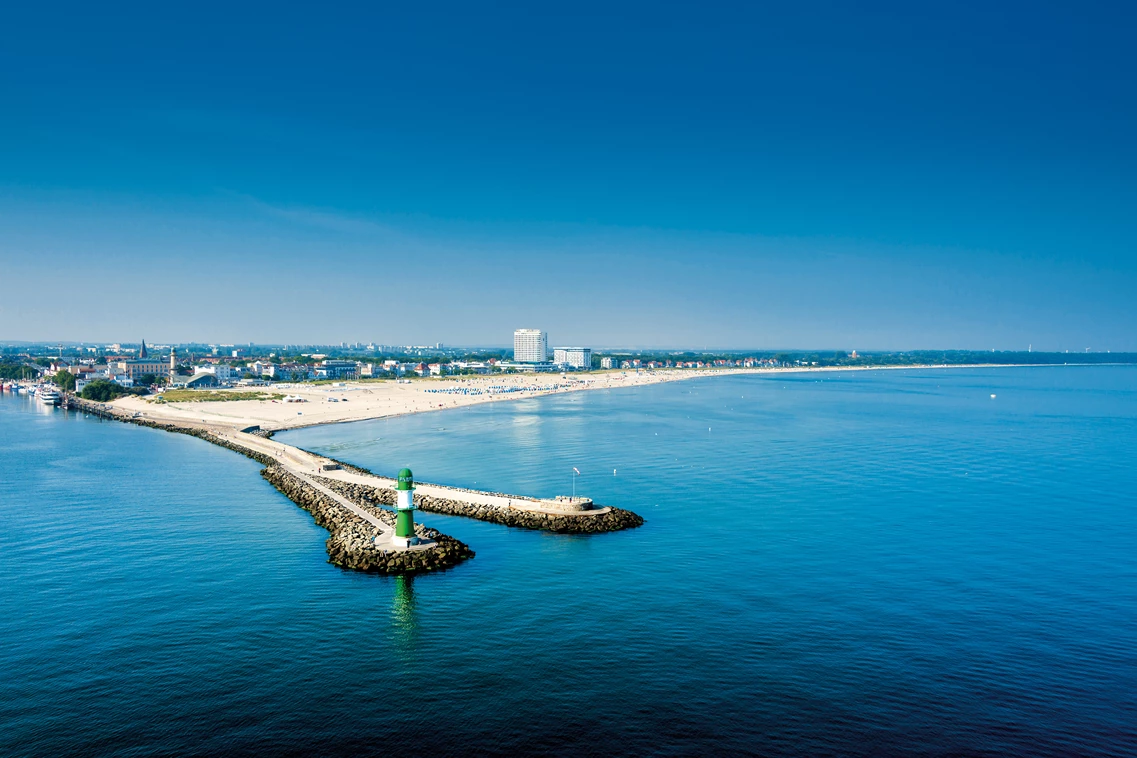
(337, 370)
(530, 346)
(608, 362)
(136, 368)
(475, 367)
(199, 381)
(527, 367)
(293, 372)
(579, 358)
(263, 368)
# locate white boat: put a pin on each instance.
(50, 396)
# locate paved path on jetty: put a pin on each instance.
(303, 463)
(306, 465)
(383, 529)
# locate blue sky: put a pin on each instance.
(818, 175)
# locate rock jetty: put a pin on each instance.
(351, 544)
(352, 541)
(613, 520)
(106, 411)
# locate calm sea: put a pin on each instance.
(857, 564)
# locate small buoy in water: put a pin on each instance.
(992, 397)
(613, 472)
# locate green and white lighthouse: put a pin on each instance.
(405, 515)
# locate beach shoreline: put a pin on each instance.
(354, 401)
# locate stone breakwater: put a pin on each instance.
(103, 411)
(614, 520)
(352, 541)
(351, 544)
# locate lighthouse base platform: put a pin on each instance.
(403, 543)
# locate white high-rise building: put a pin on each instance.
(573, 357)
(530, 346)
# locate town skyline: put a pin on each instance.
(376, 346)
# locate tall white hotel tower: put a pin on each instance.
(530, 346)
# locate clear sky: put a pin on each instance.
(813, 175)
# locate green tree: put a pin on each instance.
(102, 391)
(65, 380)
(16, 371)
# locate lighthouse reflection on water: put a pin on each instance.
(404, 621)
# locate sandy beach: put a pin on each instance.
(340, 402)
(362, 400)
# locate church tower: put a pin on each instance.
(142, 351)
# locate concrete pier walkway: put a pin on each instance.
(302, 462)
(307, 465)
(326, 486)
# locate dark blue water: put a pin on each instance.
(858, 564)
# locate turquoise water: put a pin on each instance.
(854, 564)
